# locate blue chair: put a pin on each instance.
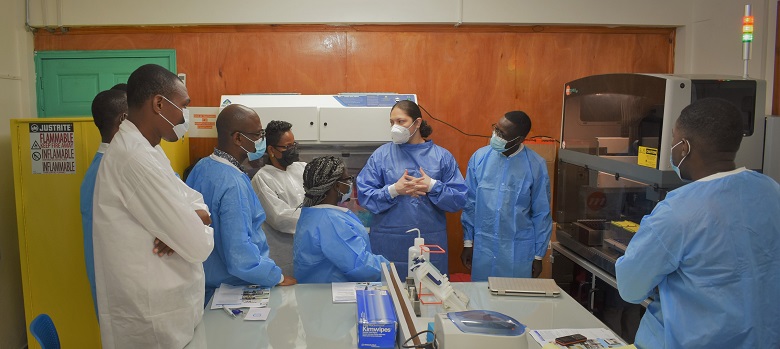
(42, 328)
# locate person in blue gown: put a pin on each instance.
(410, 183)
(240, 255)
(707, 254)
(506, 222)
(109, 109)
(331, 244)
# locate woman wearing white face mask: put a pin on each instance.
(410, 183)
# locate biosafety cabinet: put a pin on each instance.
(327, 119)
(616, 138)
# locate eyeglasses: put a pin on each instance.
(347, 181)
(258, 135)
(285, 147)
(497, 131)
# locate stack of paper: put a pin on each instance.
(250, 296)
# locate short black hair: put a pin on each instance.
(107, 107)
(120, 86)
(712, 123)
(147, 81)
(413, 110)
(274, 131)
(521, 121)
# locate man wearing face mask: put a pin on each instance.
(331, 244)
(109, 109)
(145, 301)
(410, 183)
(707, 254)
(506, 221)
(279, 186)
(241, 254)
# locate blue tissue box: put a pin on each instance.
(377, 324)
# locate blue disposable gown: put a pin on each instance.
(394, 216)
(332, 245)
(710, 249)
(507, 214)
(85, 200)
(240, 255)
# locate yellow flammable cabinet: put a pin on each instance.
(50, 158)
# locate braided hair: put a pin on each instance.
(319, 176)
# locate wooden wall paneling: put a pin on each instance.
(258, 62)
(201, 147)
(264, 62)
(465, 79)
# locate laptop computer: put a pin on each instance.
(523, 287)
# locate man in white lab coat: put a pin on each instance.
(145, 301)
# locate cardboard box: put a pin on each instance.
(377, 323)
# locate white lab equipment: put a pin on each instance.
(479, 329)
(417, 249)
(429, 278)
(351, 118)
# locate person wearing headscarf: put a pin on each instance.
(331, 244)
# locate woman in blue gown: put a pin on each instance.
(410, 183)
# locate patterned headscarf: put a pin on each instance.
(319, 176)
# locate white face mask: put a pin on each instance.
(179, 129)
(400, 134)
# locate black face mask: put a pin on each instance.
(289, 156)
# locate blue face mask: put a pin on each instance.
(348, 194)
(499, 144)
(676, 168)
(259, 148)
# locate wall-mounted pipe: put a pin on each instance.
(460, 13)
(27, 16)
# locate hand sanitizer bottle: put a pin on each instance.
(414, 250)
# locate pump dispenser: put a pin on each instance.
(414, 250)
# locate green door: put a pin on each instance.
(69, 80)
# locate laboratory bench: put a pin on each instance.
(304, 316)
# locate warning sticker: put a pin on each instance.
(648, 157)
(51, 148)
(204, 122)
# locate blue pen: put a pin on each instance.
(229, 312)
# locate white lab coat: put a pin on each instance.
(146, 301)
(280, 193)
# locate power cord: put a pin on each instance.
(426, 345)
(453, 127)
(475, 135)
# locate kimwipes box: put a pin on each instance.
(377, 323)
